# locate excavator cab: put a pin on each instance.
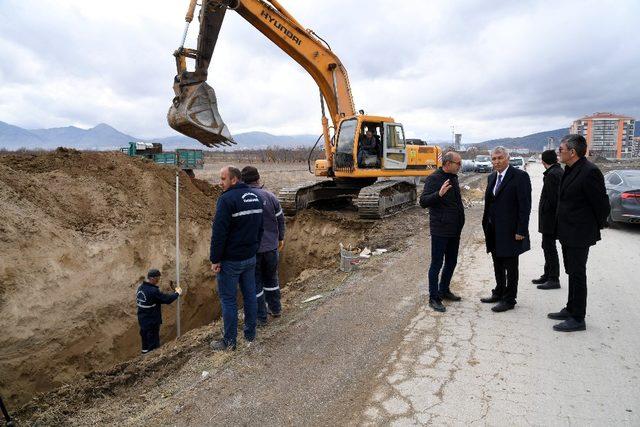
(369, 144)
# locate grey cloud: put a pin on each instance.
(464, 61)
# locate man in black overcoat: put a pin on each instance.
(507, 206)
(550, 279)
(583, 208)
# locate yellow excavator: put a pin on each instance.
(359, 148)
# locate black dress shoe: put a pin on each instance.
(491, 299)
(539, 280)
(437, 305)
(561, 315)
(502, 306)
(570, 325)
(450, 296)
(550, 284)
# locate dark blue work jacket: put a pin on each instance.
(148, 299)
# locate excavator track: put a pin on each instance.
(385, 198)
(293, 199)
(328, 193)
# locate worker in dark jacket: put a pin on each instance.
(441, 195)
(149, 299)
(235, 239)
(507, 206)
(583, 208)
(550, 279)
(267, 284)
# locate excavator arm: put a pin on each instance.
(194, 110)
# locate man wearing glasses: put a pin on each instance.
(441, 195)
(583, 207)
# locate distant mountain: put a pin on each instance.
(14, 137)
(105, 137)
(534, 142)
(100, 137)
(247, 140)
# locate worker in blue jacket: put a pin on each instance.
(149, 299)
(267, 284)
(235, 237)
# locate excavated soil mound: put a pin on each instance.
(77, 231)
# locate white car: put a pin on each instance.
(483, 163)
(517, 162)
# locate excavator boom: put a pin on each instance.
(194, 111)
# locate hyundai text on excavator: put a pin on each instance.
(354, 173)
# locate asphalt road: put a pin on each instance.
(470, 366)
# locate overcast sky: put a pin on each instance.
(490, 68)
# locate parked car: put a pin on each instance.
(517, 162)
(623, 189)
(468, 166)
(532, 159)
(483, 163)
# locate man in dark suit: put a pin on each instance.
(507, 206)
(583, 207)
(550, 279)
(441, 195)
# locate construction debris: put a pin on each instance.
(313, 298)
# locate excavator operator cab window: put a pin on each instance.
(369, 146)
(346, 139)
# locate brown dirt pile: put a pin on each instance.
(77, 231)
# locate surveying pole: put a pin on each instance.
(178, 250)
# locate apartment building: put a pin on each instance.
(608, 135)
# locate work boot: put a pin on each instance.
(221, 345)
(437, 305)
(491, 299)
(502, 306)
(570, 325)
(560, 315)
(550, 284)
(539, 281)
(271, 313)
(448, 295)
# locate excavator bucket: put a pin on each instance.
(195, 109)
(195, 113)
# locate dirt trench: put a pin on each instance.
(77, 232)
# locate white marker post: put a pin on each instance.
(178, 249)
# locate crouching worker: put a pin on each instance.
(149, 298)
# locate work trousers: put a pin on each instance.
(575, 265)
(232, 274)
(442, 249)
(506, 272)
(551, 263)
(267, 285)
(150, 337)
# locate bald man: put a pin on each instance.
(235, 238)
